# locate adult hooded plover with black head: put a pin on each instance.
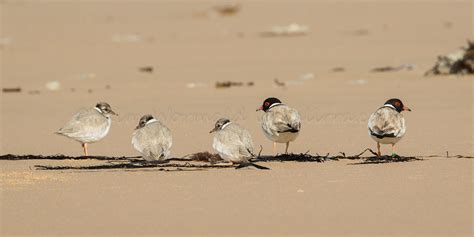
(280, 123)
(233, 143)
(89, 125)
(152, 139)
(387, 125)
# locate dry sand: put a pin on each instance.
(96, 47)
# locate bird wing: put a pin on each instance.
(147, 146)
(282, 119)
(84, 123)
(234, 143)
(153, 140)
(386, 122)
(247, 144)
(222, 147)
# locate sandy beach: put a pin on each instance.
(94, 50)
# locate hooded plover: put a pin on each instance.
(387, 125)
(280, 123)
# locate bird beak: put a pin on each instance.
(406, 108)
(113, 113)
(260, 108)
(213, 130)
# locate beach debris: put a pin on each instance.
(279, 83)
(146, 69)
(301, 157)
(298, 81)
(288, 30)
(448, 24)
(338, 69)
(11, 89)
(228, 84)
(205, 156)
(358, 82)
(63, 157)
(34, 92)
(459, 62)
(227, 9)
(4, 41)
(127, 38)
(361, 32)
(193, 85)
(407, 67)
(306, 77)
(86, 76)
(53, 85)
(187, 163)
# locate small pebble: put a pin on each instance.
(53, 85)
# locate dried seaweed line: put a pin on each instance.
(61, 157)
(129, 166)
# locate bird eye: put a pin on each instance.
(267, 104)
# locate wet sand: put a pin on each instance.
(95, 50)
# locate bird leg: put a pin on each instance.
(274, 149)
(286, 149)
(378, 150)
(393, 151)
(84, 146)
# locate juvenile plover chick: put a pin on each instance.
(89, 125)
(233, 143)
(152, 139)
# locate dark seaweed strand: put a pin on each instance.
(62, 157)
(135, 165)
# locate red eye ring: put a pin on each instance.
(267, 104)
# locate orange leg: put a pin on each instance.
(286, 149)
(84, 146)
(378, 149)
(394, 154)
